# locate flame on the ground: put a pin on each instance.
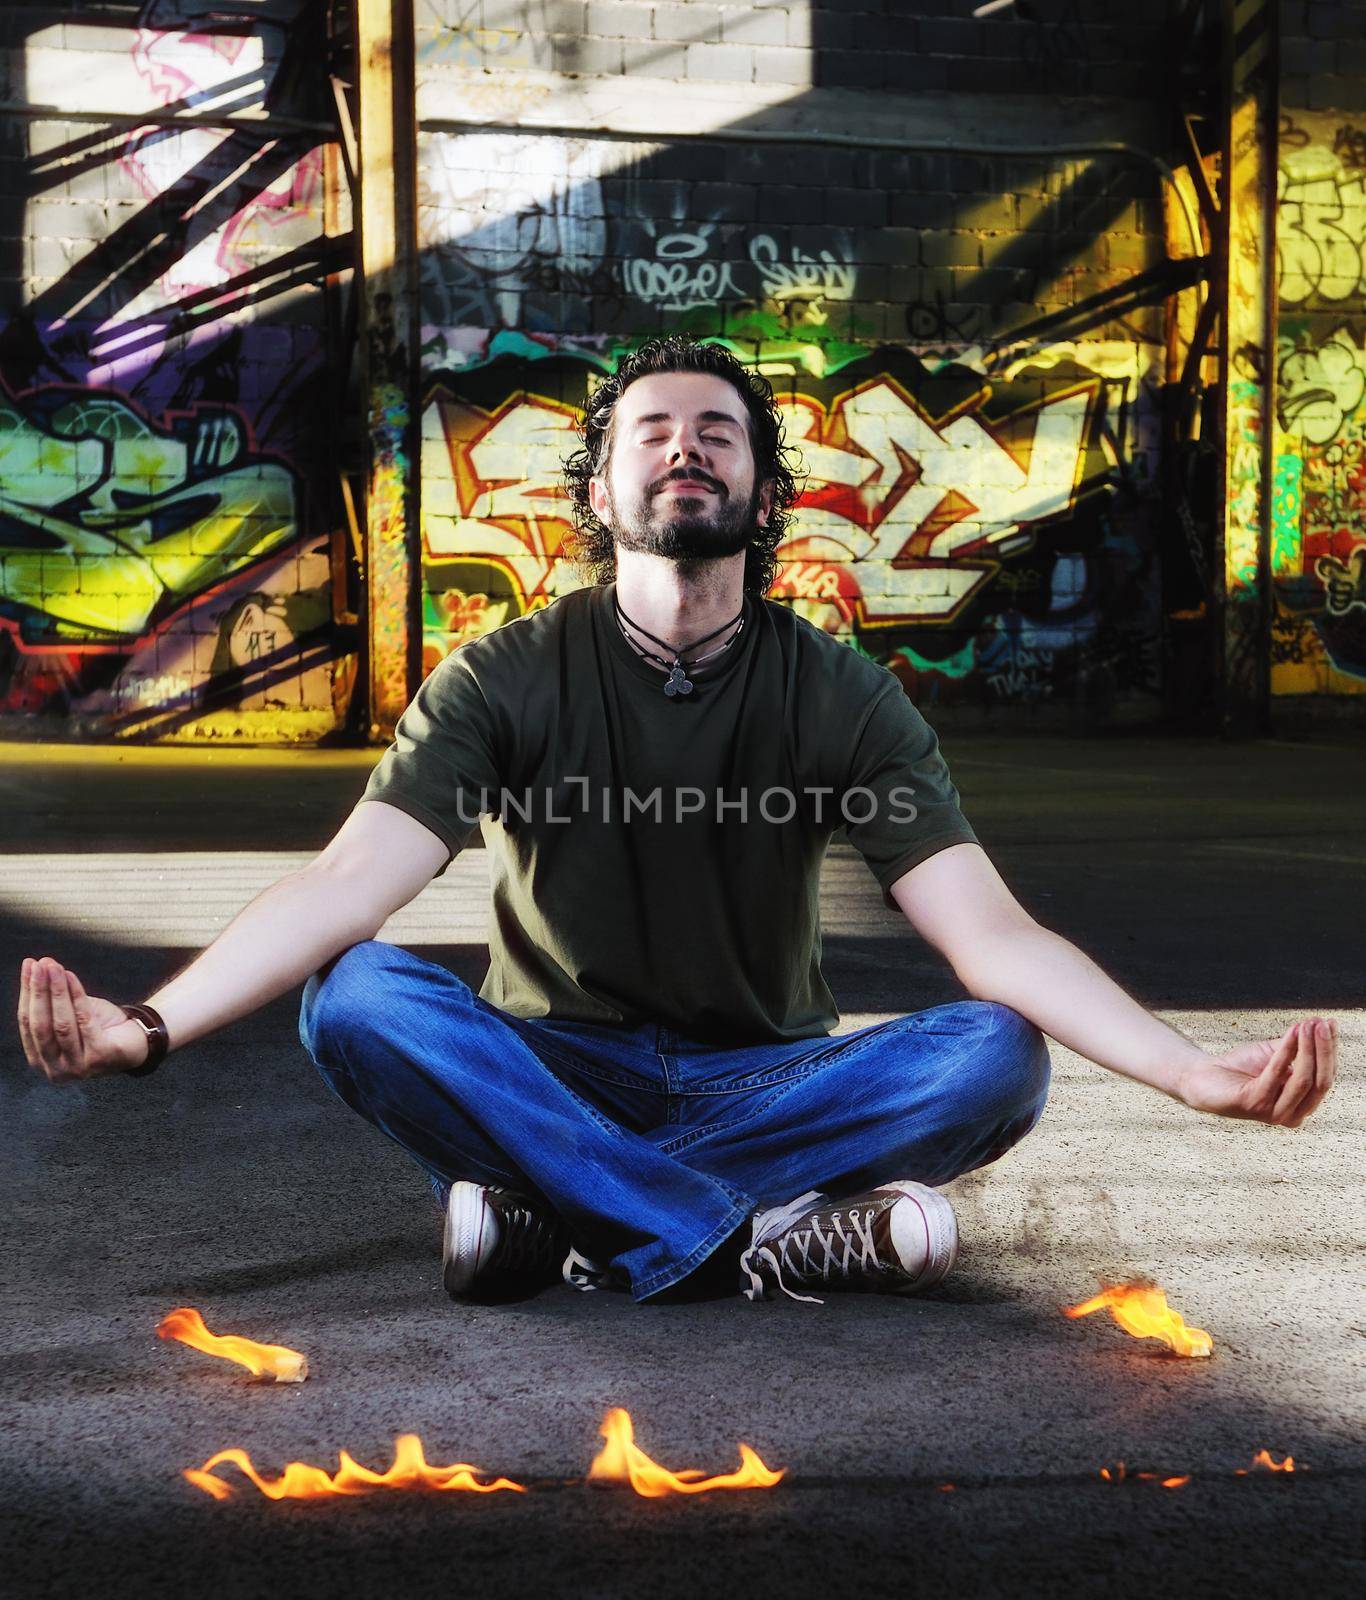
(623, 1461)
(1119, 1472)
(1265, 1459)
(299, 1481)
(265, 1360)
(1142, 1310)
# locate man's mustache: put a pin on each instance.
(688, 475)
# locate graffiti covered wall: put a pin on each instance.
(168, 539)
(968, 348)
(1319, 508)
(977, 419)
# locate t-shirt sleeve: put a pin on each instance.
(896, 762)
(442, 767)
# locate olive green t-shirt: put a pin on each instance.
(656, 858)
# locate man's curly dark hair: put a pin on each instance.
(591, 546)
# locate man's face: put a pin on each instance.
(679, 481)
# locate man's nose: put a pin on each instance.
(685, 445)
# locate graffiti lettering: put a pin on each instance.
(1344, 582)
(919, 511)
(106, 512)
(801, 277)
(1026, 676)
(675, 285)
(1321, 234)
(928, 511)
(497, 213)
(1319, 388)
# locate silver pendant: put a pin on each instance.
(677, 682)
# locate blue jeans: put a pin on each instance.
(654, 1148)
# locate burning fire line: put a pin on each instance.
(1267, 1461)
(1142, 1310)
(1119, 1473)
(623, 1461)
(264, 1360)
(299, 1481)
(1263, 1460)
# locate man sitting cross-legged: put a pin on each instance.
(646, 1091)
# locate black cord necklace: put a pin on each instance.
(678, 681)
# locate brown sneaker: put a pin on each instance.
(498, 1244)
(896, 1239)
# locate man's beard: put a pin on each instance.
(706, 529)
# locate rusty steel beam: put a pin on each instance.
(1195, 165)
(1247, 365)
(387, 161)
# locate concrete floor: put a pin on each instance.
(1222, 885)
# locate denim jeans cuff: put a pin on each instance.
(665, 1277)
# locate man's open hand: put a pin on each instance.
(1276, 1080)
(70, 1034)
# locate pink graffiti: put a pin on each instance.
(166, 60)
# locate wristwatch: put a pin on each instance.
(158, 1040)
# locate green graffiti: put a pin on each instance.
(957, 665)
(101, 513)
(1287, 502)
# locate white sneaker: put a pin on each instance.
(896, 1239)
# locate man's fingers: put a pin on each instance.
(1264, 1090)
(1299, 1080)
(66, 1030)
(25, 1001)
(1325, 1069)
(40, 1019)
(80, 1001)
(1328, 1061)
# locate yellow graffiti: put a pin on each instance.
(103, 513)
(1321, 222)
(931, 505)
(923, 509)
(492, 489)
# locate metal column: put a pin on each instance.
(1247, 362)
(387, 158)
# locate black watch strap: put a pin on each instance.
(158, 1040)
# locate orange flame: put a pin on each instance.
(299, 1481)
(1120, 1472)
(1264, 1458)
(623, 1461)
(1142, 1310)
(265, 1360)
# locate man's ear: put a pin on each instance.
(765, 503)
(598, 501)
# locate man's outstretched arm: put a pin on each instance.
(958, 902)
(378, 861)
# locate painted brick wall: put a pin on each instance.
(1319, 522)
(977, 415)
(169, 537)
(980, 511)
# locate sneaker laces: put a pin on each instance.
(582, 1272)
(814, 1251)
(527, 1239)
